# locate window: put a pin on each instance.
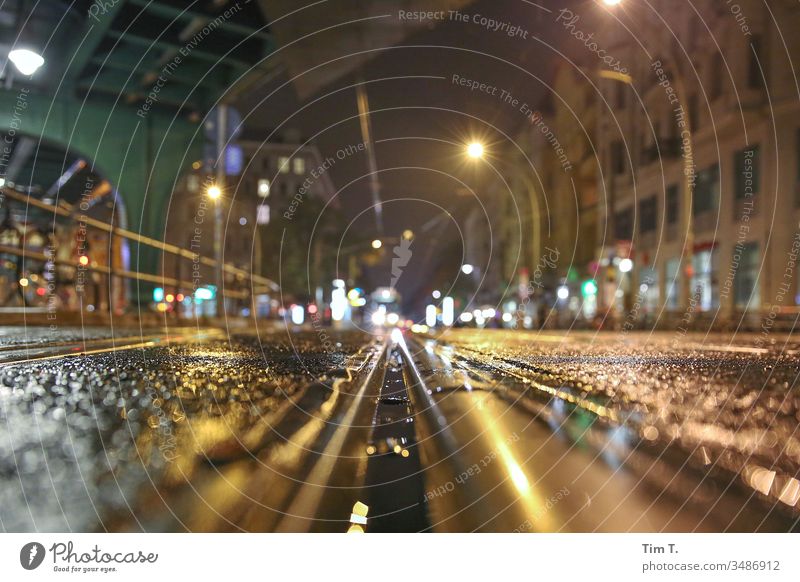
(623, 224)
(620, 95)
(746, 176)
(706, 191)
(672, 282)
(797, 169)
(717, 70)
(299, 166)
(694, 113)
(648, 210)
(672, 204)
(263, 188)
(283, 164)
(756, 60)
(617, 157)
(704, 282)
(262, 216)
(745, 282)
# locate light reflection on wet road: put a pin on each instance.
(495, 431)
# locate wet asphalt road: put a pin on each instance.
(468, 431)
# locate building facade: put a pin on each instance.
(272, 196)
(705, 152)
(688, 184)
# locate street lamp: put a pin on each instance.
(376, 244)
(448, 311)
(611, 2)
(430, 316)
(214, 192)
(475, 150)
(26, 61)
(467, 269)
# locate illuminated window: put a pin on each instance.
(283, 164)
(263, 214)
(299, 166)
(704, 282)
(263, 188)
(745, 283)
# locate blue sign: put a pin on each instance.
(234, 160)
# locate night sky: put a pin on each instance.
(421, 120)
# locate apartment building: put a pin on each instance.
(550, 224)
(717, 107)
(692, 140)
(274, 190)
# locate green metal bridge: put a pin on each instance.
(127, 87)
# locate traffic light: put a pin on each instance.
(589, 288)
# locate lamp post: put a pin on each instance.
(476, 150)
(214, 193)
(222, 133)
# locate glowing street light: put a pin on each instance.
(338, 304)
(611, 2)
(26, 61)
(475, 150)
(376, 244)
(430, 316)
(448, 311)
(625, 266)
(298, 314)
(214, 192)
(467, 269)
(563, 292)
